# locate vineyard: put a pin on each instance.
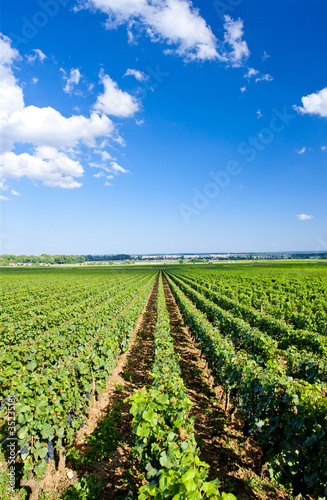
(173, 382)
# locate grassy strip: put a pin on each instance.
(165, 438)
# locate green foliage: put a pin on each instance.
(287, 416)
(165, 439)
(54, 373)
(101, 443)
(85, 489)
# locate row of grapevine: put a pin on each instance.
(54, 313)
(165, 439)
(300, 301)
(261, 335)
(57, 374)
(288, 416)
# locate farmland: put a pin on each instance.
(204, 356)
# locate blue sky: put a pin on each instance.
(144, 126)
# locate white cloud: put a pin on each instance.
(264, 78)
(323, 148)
(179, 24)
(38, 54)
(259, 113)
(304, 217)
(314, 104)
(265, 56)
(175, 21)
(34, 80)
(4, 198)
(259, 77)
(251, 72)
(115, 102)
(3, 186)
(15, 193)
(138, 75)
(107, 183)
(45, 130)
(301, 151)
(105, 155)
(7, 53)
(48, 165)
(46, 126)
(117, 168)
(243, 89)
(112, 168)
(233, 37)
(71, 80)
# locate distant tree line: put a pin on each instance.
(96, 258)
(7, 259)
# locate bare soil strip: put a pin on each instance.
(233, 458)
(121, 473)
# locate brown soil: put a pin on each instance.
(121, 472)
(235, 460)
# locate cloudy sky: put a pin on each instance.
(144, 126)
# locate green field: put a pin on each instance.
(262, 328)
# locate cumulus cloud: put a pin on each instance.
(15, 193)
(323, 148)
(301, 151)
(233, 37)
(71, 80)
(304, 217)
(243, 89)
(314, 104)
(46, 126)
(138, 75)
(176, 22)
(48, 165)
(4, 198)
(48, 135)
(38, 54)
(115, 102)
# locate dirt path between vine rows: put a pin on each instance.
(120, 472)
(234, 459)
